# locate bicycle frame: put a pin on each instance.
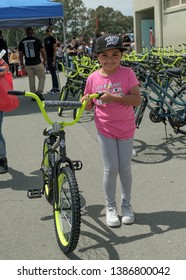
(162, 94)
(60, 184)
(57, 128)
(59, 144)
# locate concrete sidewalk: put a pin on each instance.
(158, 195)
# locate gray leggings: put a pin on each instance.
(116, 155)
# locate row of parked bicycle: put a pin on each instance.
(163, 85)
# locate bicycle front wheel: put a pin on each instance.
(47, 177)
(67, 210)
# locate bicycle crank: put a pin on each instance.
(157, 116)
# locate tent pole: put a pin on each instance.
(65, 46)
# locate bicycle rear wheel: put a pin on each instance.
(67, 210)
(179, 127)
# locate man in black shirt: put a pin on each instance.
(51, 48)
(31, 49)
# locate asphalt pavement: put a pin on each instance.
(158, 193)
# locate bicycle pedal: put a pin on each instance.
(34, 193)
(77, 164)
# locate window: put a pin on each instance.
(173, 3)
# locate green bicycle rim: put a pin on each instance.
(67, 217)
(47, 189)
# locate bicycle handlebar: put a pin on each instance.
(55, 103)
(64, 104)
(16, 92)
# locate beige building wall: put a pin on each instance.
(169, 25)
(174, 27)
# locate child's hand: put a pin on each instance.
(106, 97)
(89, 104)
(83, 98)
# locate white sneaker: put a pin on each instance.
(112, 219)
(127, 214)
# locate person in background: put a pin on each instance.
(51, 49)
(133, 46)
(59, 55)
(115, 123)
(72, 50)
(7, 103)
(82, 49)
(93, 51)
(31, 50)
(14, 62)
(126, 43)
(3, 46)
(88, 48)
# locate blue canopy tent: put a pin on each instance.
(24, 13)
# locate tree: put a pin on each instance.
(79, 19)
(109, 21)
(75, 16)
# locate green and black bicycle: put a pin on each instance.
(60, 186)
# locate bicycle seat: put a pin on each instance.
(174, 72)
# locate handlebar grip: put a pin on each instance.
(100, 94)
(64, 104)
(16, 92)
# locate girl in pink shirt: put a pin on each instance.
(115, 123)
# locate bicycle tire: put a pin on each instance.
(62, 97)
(180, 96)
(47, 178)
(75, 111)
(67, 210)
(139, 111)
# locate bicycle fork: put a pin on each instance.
(47, 169)
(54, 163)
(62, 159)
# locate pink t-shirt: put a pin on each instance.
(113, 120)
